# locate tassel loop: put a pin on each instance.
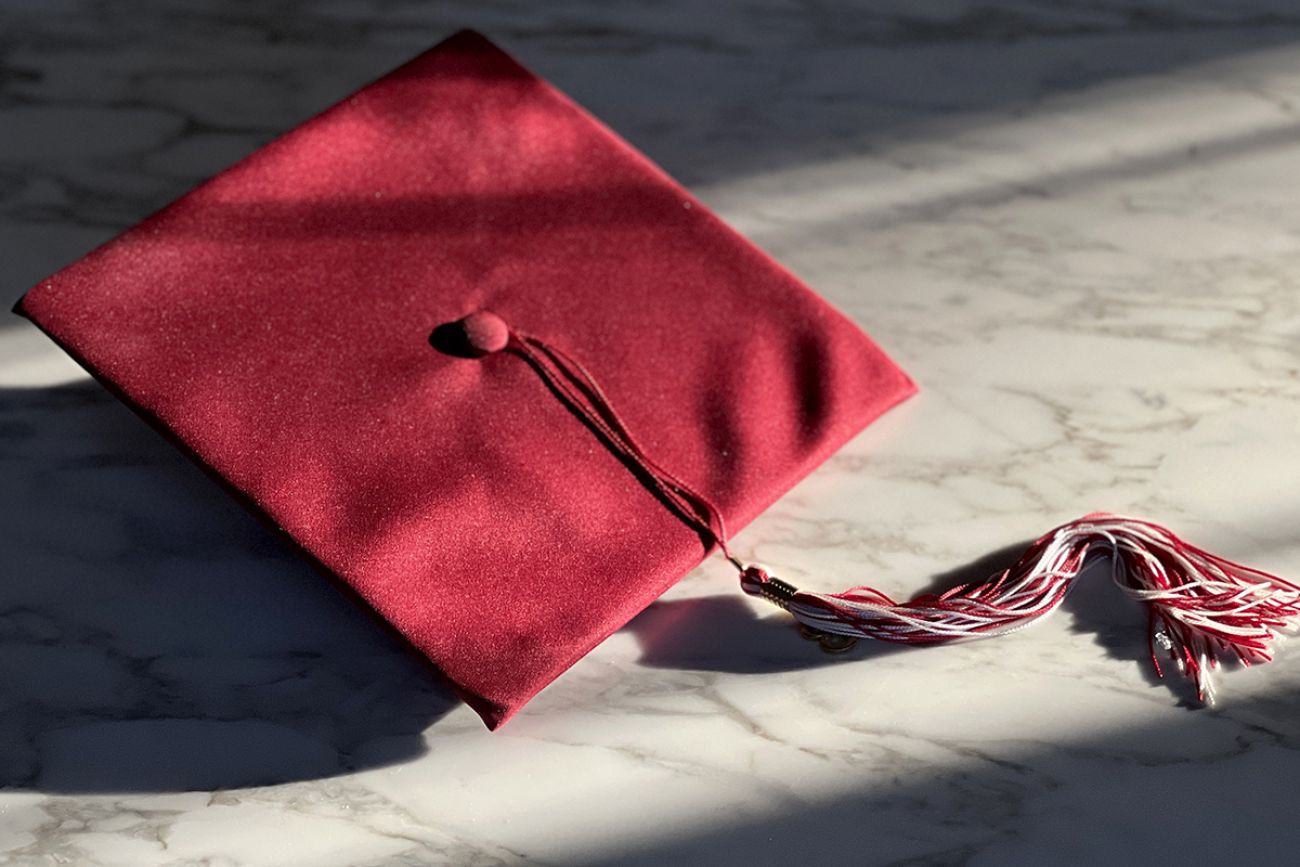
(756, 582)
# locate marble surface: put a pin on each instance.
(1075, 223)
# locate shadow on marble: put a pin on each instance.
(1203, 788)
(156, 637)
(1144, 783)
(163, 100)
(723, 634)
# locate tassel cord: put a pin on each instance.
(578, 388)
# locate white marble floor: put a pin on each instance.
(1076, 224)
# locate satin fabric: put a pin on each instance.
(276, 322)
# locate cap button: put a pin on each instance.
(485, 332)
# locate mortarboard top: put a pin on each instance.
(282, 323)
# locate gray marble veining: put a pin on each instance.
(1074, 224)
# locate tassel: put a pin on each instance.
(1200, 607)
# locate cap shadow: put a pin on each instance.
(156, 637)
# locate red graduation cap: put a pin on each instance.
(498, 373)
(278, 320)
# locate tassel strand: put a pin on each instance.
(1200, 606)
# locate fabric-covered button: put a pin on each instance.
(485, 332)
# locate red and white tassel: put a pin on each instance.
(1200, 606)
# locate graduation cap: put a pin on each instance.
(494, 370)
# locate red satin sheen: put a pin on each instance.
(277, 321)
